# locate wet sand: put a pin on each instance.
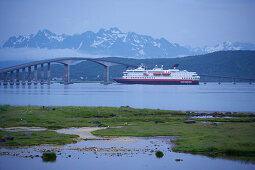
(87, 142)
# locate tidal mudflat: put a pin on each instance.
(126, 152)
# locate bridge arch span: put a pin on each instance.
(64, 60)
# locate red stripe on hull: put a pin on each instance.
(153, 80)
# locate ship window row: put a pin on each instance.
(188, 78)
(140, 77)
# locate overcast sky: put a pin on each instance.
(188, 22)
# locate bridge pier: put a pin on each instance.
(42, 74)
(35, 74)
(5, 79)
(23, 76)
(48, 74)
(29, 76)
(17, 77)
(234, 81)
(11, 78)
(106, 74)
(66, 74)
(106, 65)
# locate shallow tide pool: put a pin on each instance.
(113, 153)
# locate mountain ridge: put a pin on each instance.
(113, 42)
(223, 63)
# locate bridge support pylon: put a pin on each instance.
(234, 81)
(66, 74)
(42, 74)
(23, 76)
(106, 74)
(48, 74)
(11, 78)
(29, 76)
(35, 75)
(5, 79)
(17, 77)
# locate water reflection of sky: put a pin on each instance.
(205, 97)
(137, 158)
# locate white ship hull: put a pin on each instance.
(158, 76)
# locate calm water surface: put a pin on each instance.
(209, 97)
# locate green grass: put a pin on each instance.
(226, 138)
(49, 156)
(234, 119)
(234, 136)
(64, 117)
(37, 138)
(4, 108)
(159, 154)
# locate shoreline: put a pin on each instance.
(89, 136)
(185, 111)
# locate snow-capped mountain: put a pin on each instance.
(227, 45)
(111, 42)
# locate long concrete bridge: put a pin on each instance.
(67, 61)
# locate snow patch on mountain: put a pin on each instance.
(141, 52)
(227, 45)
(80, 45)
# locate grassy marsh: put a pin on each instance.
(37, 138)
(234, 136)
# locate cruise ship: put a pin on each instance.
(159, 76)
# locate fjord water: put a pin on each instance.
(238, 97)
(209, 97)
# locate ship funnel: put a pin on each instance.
(175, 66)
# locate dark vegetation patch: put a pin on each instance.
(4, 107)
(159, 154)
(36, 138)
(49, 156)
